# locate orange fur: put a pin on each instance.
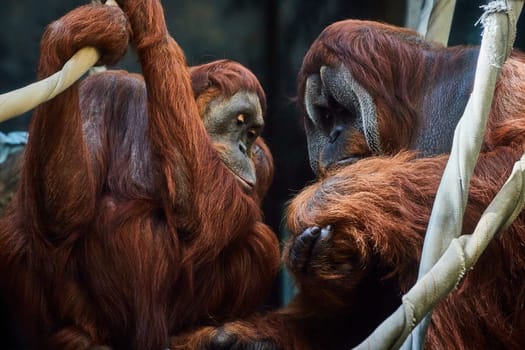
(127, 228)
(379, 207)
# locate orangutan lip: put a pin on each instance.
(247, 186)
(348, 160)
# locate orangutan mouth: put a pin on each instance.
(348, 160)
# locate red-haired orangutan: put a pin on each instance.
(129, 227)
(214, 85)
(381, 106)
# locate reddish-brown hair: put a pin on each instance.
(127, 228)
(393, 72)
(225, 77)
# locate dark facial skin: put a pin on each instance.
(234, 124)
(342, 122)
(338, 108)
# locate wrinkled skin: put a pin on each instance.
(380, 107)
(234, 124)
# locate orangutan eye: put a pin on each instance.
(324, 114)
(340, 110)
(252, 134)
(240, 119)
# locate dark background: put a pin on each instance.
(268, 36)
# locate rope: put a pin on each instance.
(454, 254)
(25, 99)
(431, 18)
(460, 256)
(436, 20)
(446, 220)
